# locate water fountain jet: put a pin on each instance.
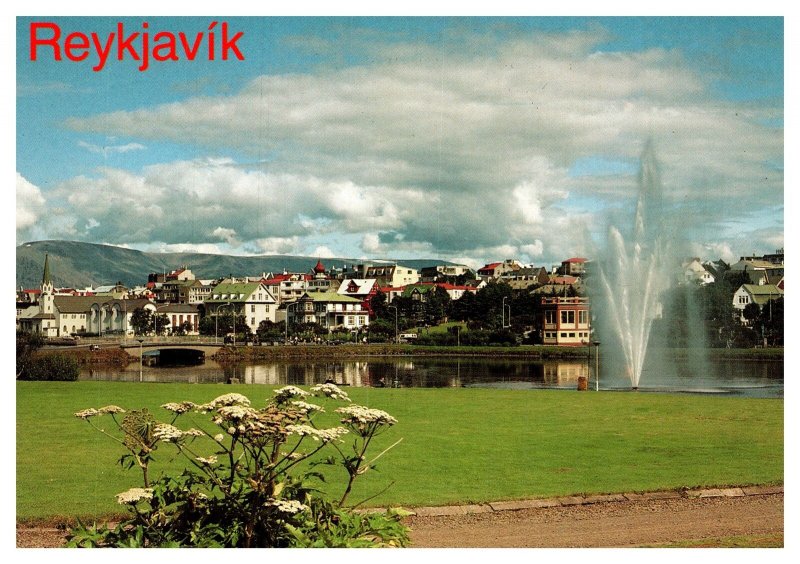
(633, 272)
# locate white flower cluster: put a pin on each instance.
(193, 433)
(111, 409)
(324, 435)
(209, 461)
(288, 392)
(224, 400)
(236, 412)
(330, 390)
(179, 408)
(306, 408)
(134, 495)
(287, 505)
(91, 412)
(167, 433)
(358, 414)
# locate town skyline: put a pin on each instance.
(464, 139)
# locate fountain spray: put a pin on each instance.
(633, 274)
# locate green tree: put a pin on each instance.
(489, 304)
(434, 306)
(752, 312)
(270, 331)
(182, 328)
(27, 345)
(160, 324)
(464, 308)
(379, 306)
(141, 321)
(381, 330)
(771, 319)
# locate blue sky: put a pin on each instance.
(468, 139)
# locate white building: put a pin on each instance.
(253, 300)
(694, 271)
(754, 294)
(330, 310)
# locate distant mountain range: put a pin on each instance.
(78, 265)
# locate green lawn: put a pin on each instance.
(459, 445)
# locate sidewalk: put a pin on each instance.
(517, 505)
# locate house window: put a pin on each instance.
(568, 317)
(549, 317)
(252, 321)
(253, 308)
(583, 317)
(350, 319)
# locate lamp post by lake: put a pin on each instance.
(233, 320)
(596, 365)
(286, 328)
(140, 357)
(216, 321)
(396, 340)
(503, 322)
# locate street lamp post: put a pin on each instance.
(596, 365)
(504, 313)
(140, 357)
(286, 328)
(396, 339)
(233, 316)
(216, 321)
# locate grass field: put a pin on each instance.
(459, 445)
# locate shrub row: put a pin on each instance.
(51, 367)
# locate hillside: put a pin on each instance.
(76, 264)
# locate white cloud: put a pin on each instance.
(713, 251)
(277, 245)
(322, 252)
(449, 150)
(107, 150)
(226, 234)
(30, 203)
(371, 243)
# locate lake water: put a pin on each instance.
(662, 374)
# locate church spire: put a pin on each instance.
(46, 275)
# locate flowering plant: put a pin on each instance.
(245, 484)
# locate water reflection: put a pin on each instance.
(762, 379)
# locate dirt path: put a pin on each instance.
(614, 524)
(606, 524)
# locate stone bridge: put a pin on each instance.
(209, 349)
